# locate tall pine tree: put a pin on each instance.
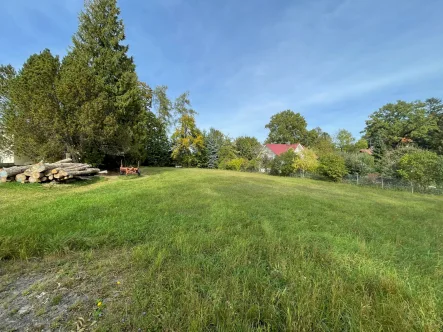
(31, 112)
(100, 88)
(214, 140)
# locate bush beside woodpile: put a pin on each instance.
(48, 172)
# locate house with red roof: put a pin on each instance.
(273, 150)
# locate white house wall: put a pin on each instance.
(6, 158)
(268, 152)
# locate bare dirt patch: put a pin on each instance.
(67, 293)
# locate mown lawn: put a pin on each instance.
(206, 250)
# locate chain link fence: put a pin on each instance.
(377, 181)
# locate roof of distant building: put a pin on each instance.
(278, 149)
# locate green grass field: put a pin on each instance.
(202, 250)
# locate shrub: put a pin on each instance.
(253, 165)
(360, 163)
(419, 167)
(283, 164)
(333, 166)
(306, 162)
(237, 164)
(265, 163)
(388, 165)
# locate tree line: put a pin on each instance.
(402, 140)
(92, 105)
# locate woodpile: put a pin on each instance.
(59, 171)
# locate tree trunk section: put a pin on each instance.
(21, 178)
(12, 171)
(32, 180)
(37, 175)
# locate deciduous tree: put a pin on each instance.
(187, 140)
(323, 145)
(163, 105)
(393, 122)
(419, 167)
(333, 166)
(358, 163)
(361, 144)
(435, 139)
(227, 153)
(287, 127)
(344, 140)
(247, 147)
(388, 166)
(284, 164)
(306, 161)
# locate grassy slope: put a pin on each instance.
(225, 250)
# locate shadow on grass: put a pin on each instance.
(157, 170)
(83, 182)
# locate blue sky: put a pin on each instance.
(335, 62)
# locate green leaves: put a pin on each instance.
(344, 140)
(33, 115)
(362, 143)
(247, 147)
(157, 142)
(188, 141)
(215, 140)
(306, 161)
(358, 163)
(435, 111)
(91, 105)
(283, 164)
(333, 166)
(287, 127)
(7, 75)
(419, 167)
(101, 90)
(163, 104)
(394, 122)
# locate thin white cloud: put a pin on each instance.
(317, 56)
(360, 87)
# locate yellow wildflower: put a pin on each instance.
(99, 304)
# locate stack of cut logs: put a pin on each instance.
(43, 172)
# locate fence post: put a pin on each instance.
(382, 184)
(357, 179)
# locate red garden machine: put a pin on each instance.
(130, 170)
